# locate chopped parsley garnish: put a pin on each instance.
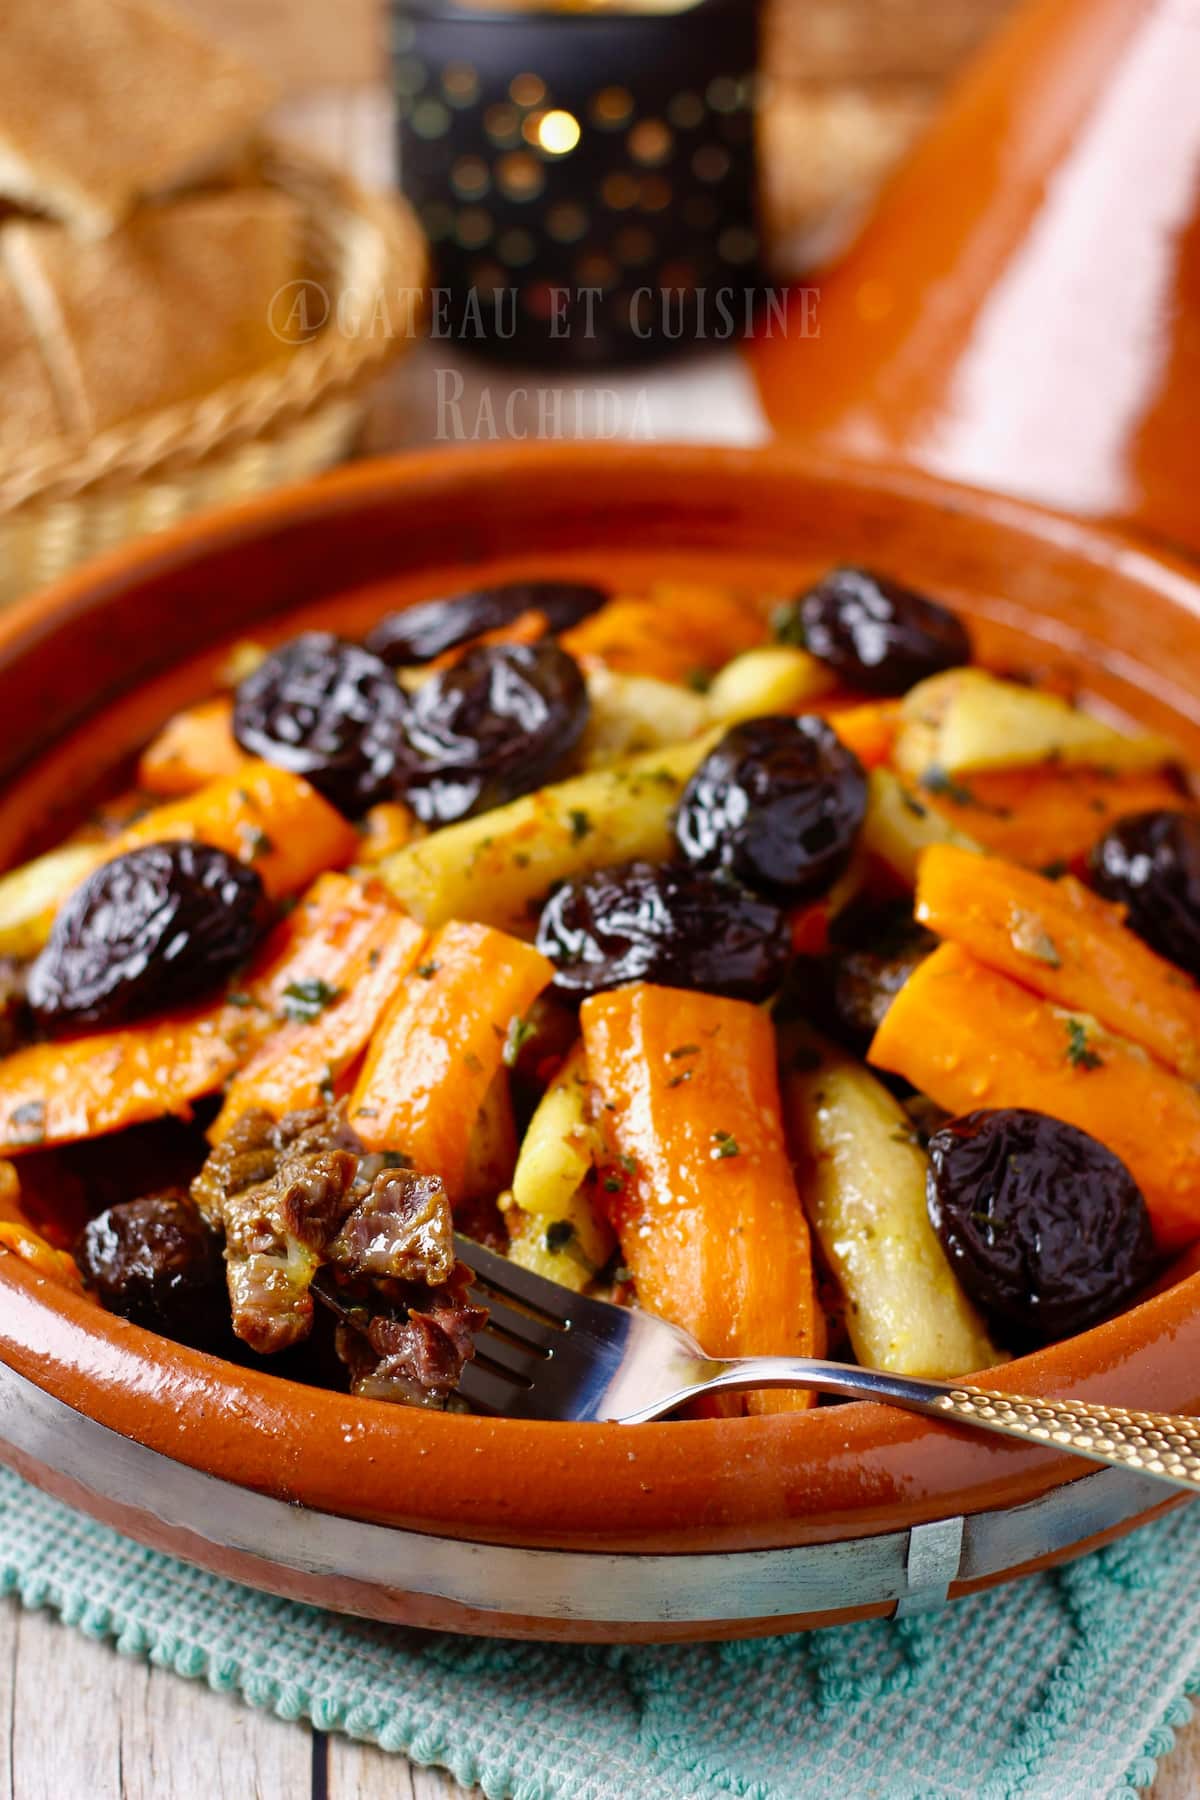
(1080, 1054)
(472, 1062)
(581, 824)
(559, 1234)
(29, 1121)
(304, 1001)
(699, 680)
(613, 1184)
(519, 1033)
(678, 1080)
(787, 625)
(683, 1050)
(255, 842)
(913, 805)
(239, 997)
(427, 970)
(724, 1144)
(935, 780)
(629, 1164)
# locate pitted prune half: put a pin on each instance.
(328, 710)
(779, 803)
(496, 725)
(420, 633)
(875, 633)
(1150, 863)
(676, 926)
(152, 929)
(1045, 1228)
(155, 1261)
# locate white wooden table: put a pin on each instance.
(79, 1719)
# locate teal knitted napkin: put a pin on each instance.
(1068, 1684)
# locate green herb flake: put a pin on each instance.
(28, 1122)
(559, 1234)
(304, 1001)
(239, 997)
(629, 1164)
(1080, 1054)
(427, 970)
(255, 842)
(699, 680)
(678, 1080)
(936, 780)
(472, 1062)
(581, 824)
(325, 1085)
(913, 805)
(787, 625)
(724, 1144)
(519, 1033)
(682, 1050)
(613, 1184)
(1029, 936)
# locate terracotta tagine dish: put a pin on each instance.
(711, 1527)
(1022, 309)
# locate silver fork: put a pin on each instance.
(548, 1353)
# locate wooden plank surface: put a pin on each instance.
(78, 1718)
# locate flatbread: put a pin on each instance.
(170, 306)
(103, 101)
(29, 409)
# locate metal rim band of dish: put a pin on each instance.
(912, 1568)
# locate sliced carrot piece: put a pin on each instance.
(703, 1198)
(869, 730)
(85, 1087)
(1065, 943)
(970, 1037)
(364, 949)
(441, 1044)
(193, 748)
(262, 815)
(669, 634)
(1047, 816)
(528, 627)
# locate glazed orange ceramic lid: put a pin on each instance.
(1022, 311)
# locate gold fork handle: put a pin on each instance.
(1158, 1444)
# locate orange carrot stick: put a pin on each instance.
(262, 815)
(88, 1086)
(440, 1045)
(869, 730)
(1065, 943)
(195, 747)
(703, 1199)
(528, 627)
(353, 966)
(969, 1037)
(1047, 815)
(668, 635)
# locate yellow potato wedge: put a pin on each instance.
(631, 713)
(774, 678)
(571, 1249)
(965, 720)
(899, 826)
(30, 896)
(862, 1179)
(496, 868)
(560, 1144)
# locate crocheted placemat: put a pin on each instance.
(1068, 1684)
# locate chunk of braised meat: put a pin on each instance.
(779, 803)
(419, 633)
(495, 726)
(15, 1018)
(401, 1229)
(280, 1191)
(156, 1262)
(328, 710)
(1150, 863)
(414, 1356)
(152, 929)
(875, 633)
(677, 926)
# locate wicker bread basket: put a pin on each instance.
(66, 500)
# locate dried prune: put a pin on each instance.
(1046, 1229)
(1150, 862)
(779, 803)
(876, 634)
(679, 927)
(874, 950)
(420, 633)
(153, 928)
(155, 1261)
(496, 725)
(328, 710)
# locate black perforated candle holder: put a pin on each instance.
(586, 178)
